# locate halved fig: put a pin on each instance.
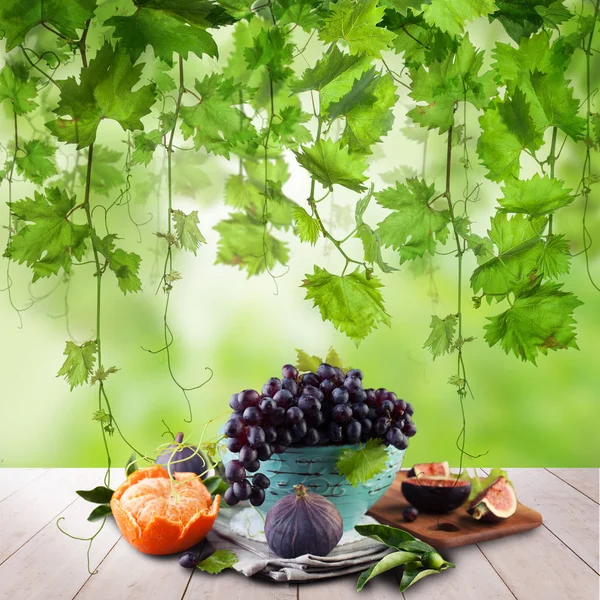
(430, 469)
(495, 503)
(436, 494)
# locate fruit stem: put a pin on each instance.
(300, 490)
(479, 512)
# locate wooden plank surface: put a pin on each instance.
(383, 587)
(12, 480)
(587, 481)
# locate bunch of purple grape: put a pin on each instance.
(326, 407)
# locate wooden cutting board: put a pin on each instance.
(453, 529)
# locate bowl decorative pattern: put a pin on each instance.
(315, 468)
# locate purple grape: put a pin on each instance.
(355, 373)
(271, 387)
(294, 415)
(290, 385)
(372, 414)
(315, 418)
(257, 497)
(395, 437)
(242, 489)
(389, 396)
(399, 423)
(341, 413)
(399, 408)
(386, 408)
(410, 514)
(311, 390)
(265, 451)
(284, 398)
(270, 433)
(248, 454)
(335, 432)
(256, 436)
(261, 481)
(234, 471)
(353, 432)
(267, 406)
(234, 445)
(229, 497)
(289, 372)
(409, 429)
(359, 396)
(367, 426)
(327, 386)
(312, 437)
(352, 384)
(379, 394)
(340, 396)
(381, 425)
(371, 400)
(340, 375)
(233, 427)
(308, 404)
(189, 559)
(233, 403)
(248, 398)
(326, 408)
(360, 411)
(278, 416)
(284, 437)
(311, 379)
(299, 430)
(326, 371)
(252, 415)
(409, 409)
(253, 466)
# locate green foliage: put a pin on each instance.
(308, 227)
(536, 196)
(18, 88)
(441, 338)
(37, 162)
(452, 15)
(362, 464)
(188, 233)
(79, 363)
(218, 561)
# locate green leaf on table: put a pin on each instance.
(539, 320)
(214, 122)
(306, 362)
(518, 244)
(355, 22)
(79, 363)
(49, 241)
(414, 227)
(104, 91)
(329, 163)
(391, 561)
(16, 86)
(441, 338)
(100, 512)
(245, 243)
(507, 130)
(443, 84)
(125, 265)
(537, 196)
(37, 164)
(392, 537)
(18, 17)
(218, 561)
(174, 26)
(362, 464)
(99, 495)
(555, 257)
(353, 302)
(186, 228)
(215, 485)
(308, 227)
(452, 15)
(270, 49)
(411, 576)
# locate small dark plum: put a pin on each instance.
(410, 514)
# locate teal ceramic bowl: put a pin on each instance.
(314, 467)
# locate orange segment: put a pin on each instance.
(158, 515)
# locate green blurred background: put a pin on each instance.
(245, 329)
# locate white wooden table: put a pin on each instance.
(558, 561)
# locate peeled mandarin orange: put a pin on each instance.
(159, 515)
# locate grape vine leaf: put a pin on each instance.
(105, 175)
(518, 245)
(452, 15)
(539, 320)
(288, 127)
(304, 13)
(218, 561)
(308, 227)
(49, 240)
(537, 196)
(305, 362)
(188, 233)
(125, 265)
(367, 108)
(18, 17)
(37, 164)
(333, 358)
(443, 84)
(353, 302)
(215, 122)
(271, 49)
(520, 19)
(507, 130)
(144, 146)
(16, 86)
(79, 363)
(355, 22)
(414, 226)
(104, 92)
(441, 338)
(555, 258)
(245, 243)
(362, 464)
(169, 26)
(329, 163)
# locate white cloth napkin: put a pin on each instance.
(255, 557)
